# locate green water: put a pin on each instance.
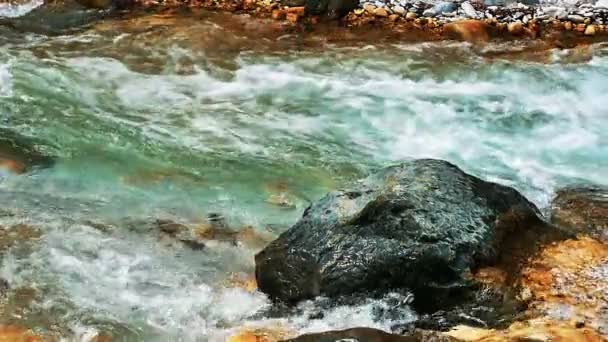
(178, 120)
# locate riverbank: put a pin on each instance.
(565, 26)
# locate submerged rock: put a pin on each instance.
(19, 154)
(582, 210)
(419, 225)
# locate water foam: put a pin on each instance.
(17, 9)
(6, 83)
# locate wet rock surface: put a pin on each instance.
(582, 210)
(19, 154)
(372, 335)
(419, 225)
(567, 282)
(60, 17)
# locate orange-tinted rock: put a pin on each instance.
(492, 276)
(12, 333)
(580, 28)
(568, 281)
(297, 10)
(101, 337)
(278, 14)
(380, 12)
(12, 166)
(582, 210)
(16, 235)
(516, 28)
(535, 330)
(262, 334)
(474, 31)
(244, 281)
(293, 17)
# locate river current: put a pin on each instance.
(161, 118)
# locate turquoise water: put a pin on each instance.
(177, 120)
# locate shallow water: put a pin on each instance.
(158, 118)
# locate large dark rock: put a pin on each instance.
(420, 225)
(65, 16)
(372, 335)
(582, 210)
(332, 8)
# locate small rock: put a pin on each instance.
(568, 26)
(369, 8)
(278, 14)
(582, 209)
(399, 10)
(516, 28)
(393, 17)
(359, 11)
(576, 18)
(468, 9)
(297, 10)
(380, 12)
(590, 30)
(410, 16)
(440, 8)
(473, 31)
(293, 17)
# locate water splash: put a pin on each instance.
(12, 9)
(5, 80)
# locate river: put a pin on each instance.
(179, 118)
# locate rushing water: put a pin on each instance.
(161, 118)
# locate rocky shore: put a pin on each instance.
(473, 21)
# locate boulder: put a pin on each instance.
(372, 335)
(582, 210)
(332, 8)
(421, 225)
(61, 17)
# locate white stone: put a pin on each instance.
(602, 3)
(399, 10)
(468, 9)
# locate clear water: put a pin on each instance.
(176, 119)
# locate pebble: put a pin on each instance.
(590, 30)
(516, 28)
(576, 18)
(369, 8)
(381, 12)
(393, 17)
(440, 8)
(568, 26)
(399, 10)
(410, 16)
(468, 9)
